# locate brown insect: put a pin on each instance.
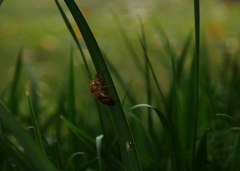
(98, 90)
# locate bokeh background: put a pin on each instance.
(38, 29)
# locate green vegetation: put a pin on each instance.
(184, 119)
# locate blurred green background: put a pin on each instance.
(38, 29)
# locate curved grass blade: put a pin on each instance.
(99, 147)
(176, 151)
(130, 158)
(70, 159)
(37, 132)
(227, 117)
(88, 164)
(37, 157)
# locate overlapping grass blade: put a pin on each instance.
(175, 110)
(121, 125)
(143, 42)
(12, 151)
(176, 151)
(85, 139)
(37, 132)
(155, 79)
(201, 155)
(59, 155)
(37, 157)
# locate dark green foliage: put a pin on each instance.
(189, 132)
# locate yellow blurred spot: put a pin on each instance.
(215, 29)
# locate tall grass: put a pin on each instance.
(193, 125)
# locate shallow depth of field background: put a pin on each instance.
(38, 29)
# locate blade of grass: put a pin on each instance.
(127, 42)
(70, 159)
(201, 155)
(197, 53)
(235, 157)
(143, 41)
(99, 147)
(229, 118)
(155, 79)
(37, 132)
(13, 95)
(32, 150)
(86, 140)
(14, 153)
(33, 91)
(130, 158)
(176, 151)
(74, 36)
(59, 155)
(88, 164)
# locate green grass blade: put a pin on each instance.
(236, 157)
(229, 118)
(201, 155)
(14, 153)
(130, 158)
(176, 151)
(37, 157)
(73, 35)
(13, 95)
(155, 80)
(37, 132)
(99, 149)
(127, 42)
(70, 159)
(59, 155)
(174, 92)
(33, 91)
(86, 140)
(89, 164)
(197, 54)
(182, 57)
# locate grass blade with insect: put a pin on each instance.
(130, 158)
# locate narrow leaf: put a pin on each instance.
(176, 151)
(130, 158)
(37, 132)
(32, 150)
